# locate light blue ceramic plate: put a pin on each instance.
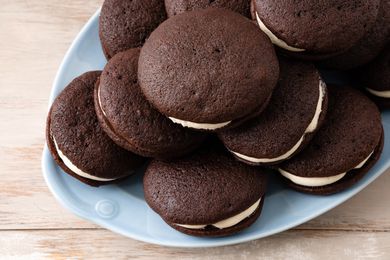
(122, 209)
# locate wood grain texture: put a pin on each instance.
(34, 36)
(102, 244)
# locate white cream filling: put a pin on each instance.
(275, 40)
(384, 94)
(310, 128)
(360, 165)
(319, 181)
(312, 181)
(204, 126)
(100, 103)
(73, 167)
(229, 222)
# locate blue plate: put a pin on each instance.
(121, 207)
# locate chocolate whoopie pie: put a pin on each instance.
(295, 112)
(206, 194)
(208, 69)
(368, 47)
(348, 144)
(126, 24)
(76, 141)
(174, 7)
(375, 78)
(130, 120)
(315, 29)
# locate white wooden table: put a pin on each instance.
(34, 36)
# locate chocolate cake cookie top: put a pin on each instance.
(349, 139)
(77, 142)
(316, 27)
(207, 68)
(175, 7)
(230, 192)
(126, 24)
(295, 112)
(130, 120)
(369, 46)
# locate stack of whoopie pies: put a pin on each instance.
(215, 95)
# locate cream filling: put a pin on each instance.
(319, 181)
(384, 94)
(204, 126)
(275, 40)
(310, 128)
(100, 103)
(73, 167)
(229, 222)
(360, 165)
(312, 181)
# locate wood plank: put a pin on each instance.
(38, 33)
(367, 210)
(101, 244)
(34, 38)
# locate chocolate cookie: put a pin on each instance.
(368, 47)
(315, 29)
(128, 118)
(375, 78)
(175, 7)
(126, 24)
(208, 69)
(296, 111)
(343, 150)
(229, 200)
(76, 141)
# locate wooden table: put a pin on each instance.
(34, 36)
